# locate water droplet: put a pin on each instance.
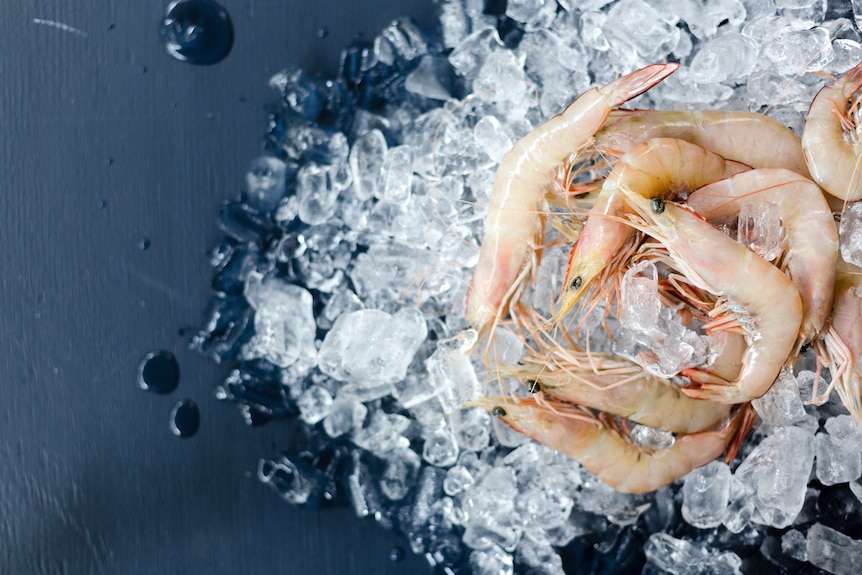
(185, 418)
(159, 371)
(144, 244)
(197, 31)
(396, 554)
(109, 162)
(103, 204)
(322, 32)
(142, 69)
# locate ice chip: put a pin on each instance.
(795, 49)
(833, 551)
(264, 182)
(472, 428)
(681, 557)
(458, 479)
(850, 234)
(371, 347)
(835, 463)
(637, 24)
(705, 494)
(777, 472)
(781, 405)
(730, 56)
(650, 438)
(399, 474)
(492, 137)
(344, 416)
(844, 431)
(396, 175)
(474, 50)
(639, 298)
(314, 404)
(453, 375)
(535, 14)
(283, 321)
(316, 194)
(440, 448)
(491, 561)
(433, 78)
(794, 545)
(367, 157)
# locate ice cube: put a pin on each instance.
(651, 439)
(371, 347)
(536, 554)
(492, 137)
(705, 494)
(833, 551)
(433, 78)
(535, 14)
(383, 433)
(759, 228)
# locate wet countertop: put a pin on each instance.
(115, 160)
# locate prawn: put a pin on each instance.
(831, 137)
(756, 297)
(737, 136)
(623, 388)
(604, 451)
(514, 225)
(812, 241)
(661, 167)
(843, 340)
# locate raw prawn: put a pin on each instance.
(809, 228)
(603, 451)
(623, 388)
(843, 340)
(662, 167)
(737, 136)
(831, 137)
(757, 298)
(514, 225)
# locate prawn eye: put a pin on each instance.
(577, 282)
(498, 412)
(533, 386)
(657, 205)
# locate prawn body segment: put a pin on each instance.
(756, 295)
(661, 167)
(514, 224)
(831, 137)
(603, 451)
(812, 240)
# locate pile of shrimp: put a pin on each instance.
(671, 188)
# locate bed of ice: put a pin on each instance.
(339, 293)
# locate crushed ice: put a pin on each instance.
(339, 289)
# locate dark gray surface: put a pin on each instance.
(91, 479)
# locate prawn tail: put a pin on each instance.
(740, 426)
(639, 81)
